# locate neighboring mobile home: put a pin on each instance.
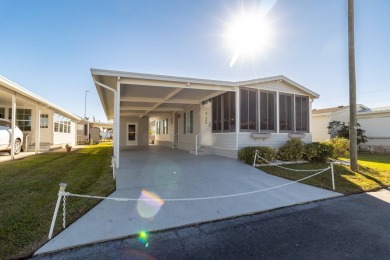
(220, 117)
(375, 121)
(30, 112)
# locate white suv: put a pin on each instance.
(5, 137)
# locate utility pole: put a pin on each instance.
(352, 88)
(85, 105)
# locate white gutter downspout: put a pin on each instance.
(116, 122)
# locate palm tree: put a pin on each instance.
(352, 87)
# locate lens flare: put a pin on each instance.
(149, 204)
(143, 238)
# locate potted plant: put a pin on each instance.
(68, 148)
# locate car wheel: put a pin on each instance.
(18, 146)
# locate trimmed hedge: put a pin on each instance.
(247, 154)
(292, 151)
(318, 152)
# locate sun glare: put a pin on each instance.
(248, 35)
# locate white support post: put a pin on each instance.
(254, 160)
(113, 167)
(53, 221)
(117, 120)
(332, 171)
(237, 115)
(13, 125)
(196, 145)
(277, 113)
(37, 128)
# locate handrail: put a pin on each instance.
(197, 143)
(25, 143)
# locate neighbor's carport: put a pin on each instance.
(207, 188)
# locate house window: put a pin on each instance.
(2, 112)
(248, 111)
(267, 111)
(301, 114)
(224, 113)
(23, 118)
(191, 130)
(185, 123)
(61, 124)
(44, 121)
(165, 126)
(286, 114)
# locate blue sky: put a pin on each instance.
(49, 47)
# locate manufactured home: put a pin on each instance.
(44, 125)
(203, 116)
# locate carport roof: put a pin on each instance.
(149, 94)
(12, 87)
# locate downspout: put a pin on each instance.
(116, 122)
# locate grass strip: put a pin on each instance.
(28, 194)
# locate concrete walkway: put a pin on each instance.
(159, 172)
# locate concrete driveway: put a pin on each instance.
(161, 173)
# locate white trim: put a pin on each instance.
(231, 149)
(6, 83)
(238, 119)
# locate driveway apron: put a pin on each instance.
(208, 187)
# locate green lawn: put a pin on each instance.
(374, 174)
(28, 194)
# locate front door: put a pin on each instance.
(205, 124)
(132, 133)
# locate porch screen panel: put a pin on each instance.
(301, 114)
(229, 112)
(248, 108)
(216, 114)
(286, 110)
(267, 111)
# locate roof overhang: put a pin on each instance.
(153, 95)
(12, 88)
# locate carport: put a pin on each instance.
(25, 109)
(159, 173)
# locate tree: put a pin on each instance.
(341, 129)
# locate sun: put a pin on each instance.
(248, 35)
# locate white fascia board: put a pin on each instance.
(34, 97)
(277, 78)
(123, 74)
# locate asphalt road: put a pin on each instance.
(352, 227)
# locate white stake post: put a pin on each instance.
(332, 171)
(53, 221)
(254, 160)
(113, 167)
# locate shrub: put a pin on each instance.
(292, 151)
(247, 154)
(340, 146)
(318, 152)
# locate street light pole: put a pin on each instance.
(85, 105)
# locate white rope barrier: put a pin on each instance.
(284, 168)
(62, 194)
